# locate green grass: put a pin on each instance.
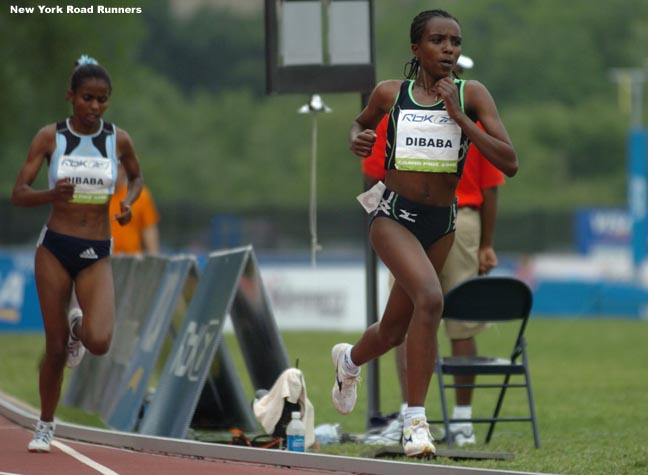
(590, 383)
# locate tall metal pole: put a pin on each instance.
(373, 367)
(313, 194)
(313, 106)
(371, 291)
(371, 265)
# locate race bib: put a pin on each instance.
(93, 178)
(427, 141)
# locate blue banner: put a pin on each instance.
(601, 228)
(19, 308)
(637, 155)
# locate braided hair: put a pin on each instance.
(88, 68)
(417, 28)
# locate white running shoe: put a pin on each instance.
(417, 440)
(75, 349)
(42, 437)
(345, 388)
(392, 434)
(462, 434)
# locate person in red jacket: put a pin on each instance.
(471, 254)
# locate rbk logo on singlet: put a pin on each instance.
(432, 118)
(72, 162)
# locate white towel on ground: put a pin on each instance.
(289, 385)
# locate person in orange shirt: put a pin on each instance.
(141, 235)
(472, 254)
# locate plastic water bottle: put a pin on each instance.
(295, 433)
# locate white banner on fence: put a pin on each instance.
(328, 297)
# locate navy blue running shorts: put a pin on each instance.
(427, 223)
(75, 254)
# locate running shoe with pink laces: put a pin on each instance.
(75, 349)
(345, 388)
(417, 440)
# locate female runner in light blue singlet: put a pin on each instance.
(73, 252)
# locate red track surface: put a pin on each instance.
(15, 459)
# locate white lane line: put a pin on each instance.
(83, 459)
(7, 473)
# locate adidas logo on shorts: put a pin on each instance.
(89, 254)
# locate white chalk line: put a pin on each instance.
(83, 459)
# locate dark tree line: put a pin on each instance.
(190, 92)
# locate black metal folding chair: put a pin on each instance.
(489, 299)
